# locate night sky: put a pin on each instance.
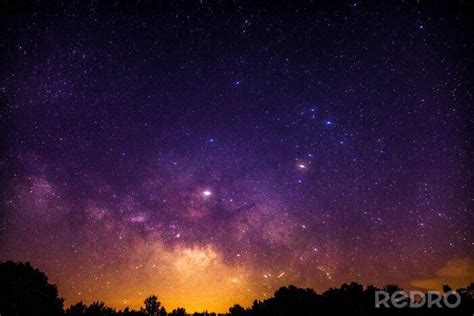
(210, 153)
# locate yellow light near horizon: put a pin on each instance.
(196, 278)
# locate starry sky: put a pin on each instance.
(211, 152)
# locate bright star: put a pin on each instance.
(207, 193)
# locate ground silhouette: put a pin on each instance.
(25, 291)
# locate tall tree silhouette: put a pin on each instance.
(25, 291)
(153, 307)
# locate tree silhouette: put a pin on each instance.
(78, 309)
(392, 288)
(237, 310)
(446, 288)
(153, 307)
(346, 299)
(99, 309)
(162, 311)
(128, 312)
(25, 291)
(289, 301)
(178, 312)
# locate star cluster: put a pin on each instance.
(212, 152)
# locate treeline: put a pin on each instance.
(25, 291)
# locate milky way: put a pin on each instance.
(211, 153)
